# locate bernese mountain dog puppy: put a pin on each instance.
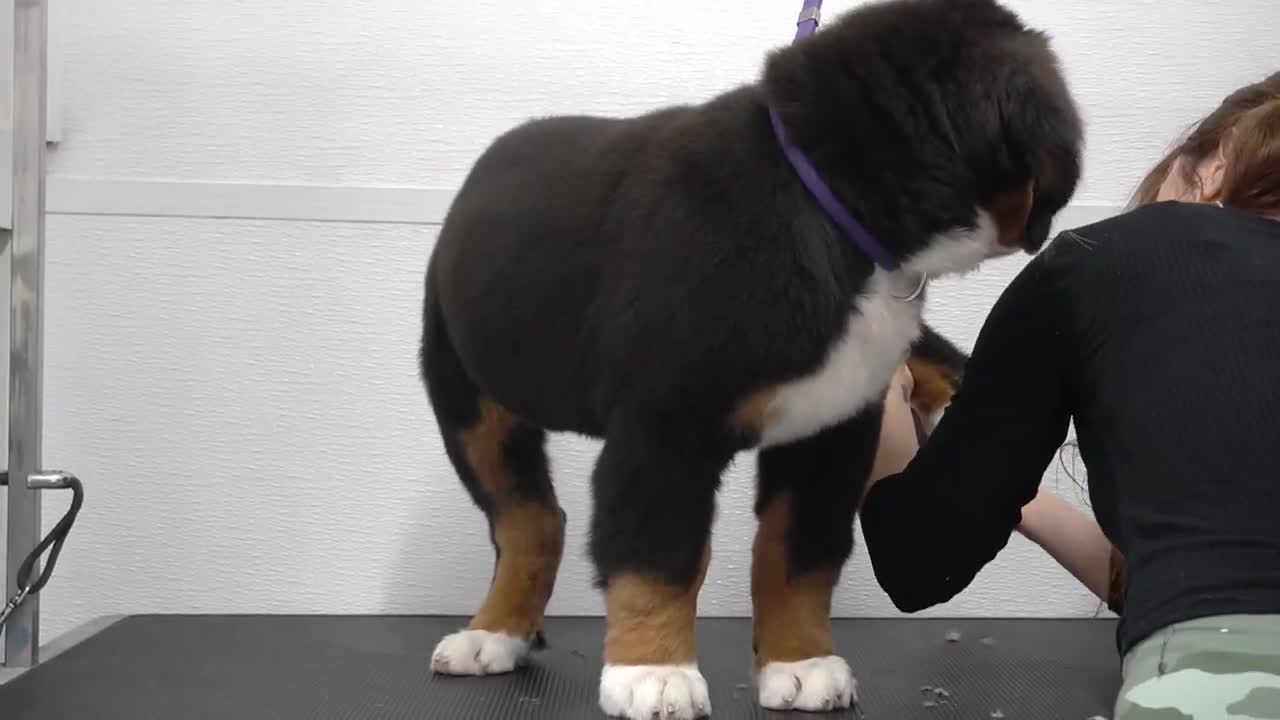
(669, 283)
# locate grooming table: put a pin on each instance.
(373, 668)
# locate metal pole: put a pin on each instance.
(26, 316)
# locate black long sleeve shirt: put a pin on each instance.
(1158, 333)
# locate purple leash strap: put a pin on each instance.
(854, 230)
(806, 24)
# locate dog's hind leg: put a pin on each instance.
(654, 495)
(502, 462)
(808, 494)
(937, 367)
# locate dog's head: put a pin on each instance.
(945, 125)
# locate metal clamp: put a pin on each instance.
(810, 16)
(13, 604)
(55, 480)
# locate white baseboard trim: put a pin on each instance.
(247, 201)
(302, 203)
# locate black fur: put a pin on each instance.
(653, 497)
(824, 476)
(919, 111)
(455, 402)
(634, 279)
(935, 349)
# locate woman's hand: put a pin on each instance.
(898, 442)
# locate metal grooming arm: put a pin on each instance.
(26, 319)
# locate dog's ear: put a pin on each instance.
(1043, 134)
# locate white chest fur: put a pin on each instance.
(877, 336)
(876, 339)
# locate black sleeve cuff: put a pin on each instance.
(894, 545)
(920, 555)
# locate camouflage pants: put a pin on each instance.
(1217, 668)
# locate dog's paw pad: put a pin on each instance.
(479, 652)
(813, 685)
(654, 692)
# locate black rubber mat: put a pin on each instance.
(371, 668)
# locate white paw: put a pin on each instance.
(813, 685)
(654, 692)
(478, 652)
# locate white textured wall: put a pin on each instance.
(240, 395)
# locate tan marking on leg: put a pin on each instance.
(528, 536)
(651, 622)
(791, 615)
(1011, 212)
(530, 543)
(753, 414)
(484, 443)
(934, 386)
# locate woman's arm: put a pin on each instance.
(1069, 536)
(1073, 539)
(932, 519)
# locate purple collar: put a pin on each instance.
(854, 230)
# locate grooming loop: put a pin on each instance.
(27, 585)
(822, 193)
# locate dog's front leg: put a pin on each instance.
(654, 494)
(808, 494)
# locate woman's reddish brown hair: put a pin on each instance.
(1247, 128)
